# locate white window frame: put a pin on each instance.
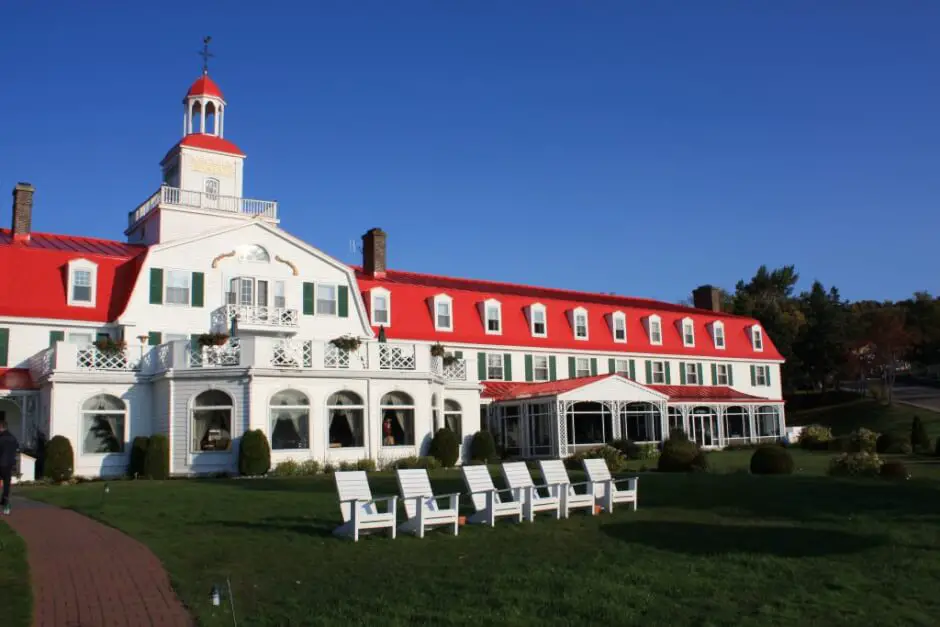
(502, 370)
(719, 375)
(580, 311)
(718, 333)
(618, 318)
(625, 372)
(443, 299)
(757, 339)
(83, 265)
(125, 423)
(374, 294)
(538, 308)
(166, 286)
(578, 369)
(761, 372)
(90, 335)
(656, 322)
(536, 368)
(316, 300)
(691, 372)
(498, 306)
(687, 328)
(662, 372)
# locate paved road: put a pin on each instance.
(919, 396)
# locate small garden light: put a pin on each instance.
(215, 596)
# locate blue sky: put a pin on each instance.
(641, 148)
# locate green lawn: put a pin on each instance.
(850, 413)
(722, 548)
(16, 599)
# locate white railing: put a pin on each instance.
(251, 315)
(200, 200)
(456, 370)
(397, 357)
(335, 357)
(228, 354)
(437, 365)
(292, 354)
(42, 363)
(91, 358)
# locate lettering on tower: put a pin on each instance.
(213, 167)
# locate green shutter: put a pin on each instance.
(714, 374)
(649, 371)
(593, 366)
(701, 379)
(197, 296)
(458, 354)
(507, 367)
(308, 299)
(682, 373)
(571, 368)
(4, 346)
(766, 374)
(194, 342)
(154, 338)
(730, 374)
(753, 376)
(343, 306)
(156, 286)
(528, 367)
(552, 373)
(632, 371)
(611, 366)
(481, 366)
(668, 375)
(56, 336)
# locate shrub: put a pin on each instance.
(410, 463)
(59, 460)
(615, 460)
(855, 465)
(864, 440)
(157, 459)
(138, 455)
(366, 464)
(920, 441)
(700, 462)
(771, 460)
(936, 450)
(445, 447)
(630, 449)
(681, 456)
(347, 466)
(893, 443)
(254, 454)
(815, 437)
(649, 451)
(329, 468)
(678, 434)
(894, 470)
(483, 447)
(287, 468)
(309, 467)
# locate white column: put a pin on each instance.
(720, 411)
(185, 120)
(202, 116)
(750, 421)
(220, 121)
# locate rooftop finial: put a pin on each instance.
(205, 54)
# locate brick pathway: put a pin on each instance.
(85, 574)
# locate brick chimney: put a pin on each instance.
(707, 297)
(373, 252)
(22, 211)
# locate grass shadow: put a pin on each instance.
(316, 527)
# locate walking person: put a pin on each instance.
(8, 448)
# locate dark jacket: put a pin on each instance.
(8, 448)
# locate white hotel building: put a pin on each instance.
(548, 370)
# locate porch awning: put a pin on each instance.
(16, 379)
(707, 394)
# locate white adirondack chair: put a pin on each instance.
(553, 471)
(421, 504)
(604, 487)
(517, 476)
(360, 511)
(485, 497)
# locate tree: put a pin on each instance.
(920, 441)
(821, 342)
(882, 334)
(922, 320)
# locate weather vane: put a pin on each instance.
(205, 54)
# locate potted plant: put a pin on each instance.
(213, 339)
(346, 343)
(450, 359)
(110, 345)
(437, 350)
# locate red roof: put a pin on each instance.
(204, 86)
(35, 282)
(206, 142)
(412, 319)
(696, 393)
(16, 379)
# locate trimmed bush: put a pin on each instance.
(254, 454)
(409, 463)
(681, 456)
(445, 447)
(936, 450)
(157, 459)
(920, 441)
(771, 460)
(893, 443)
(864, 440)
(700, 462)
(138, 455)
(678, 434)
(329, 468)
(60, 459)
(367, 465)
(630, 449)
(286, 468)
(483, 447)
(894, 470)
(815, 437)
(855, 465)
(616, 461)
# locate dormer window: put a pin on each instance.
(494, 318)
(655, 329)
(83, 278)
(538, 320)
(718, 334)
(688, 332)
(580, 324)
(757, 338)
(619, 323)
(381, 307)
(443, 313)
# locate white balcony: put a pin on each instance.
(255, 318)
(173, 196)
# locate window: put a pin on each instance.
(691, 374)
(493, 318)
(453, 419)
(326, 299)
(494, 366)
(381, 307)
(620, 327)
(212, 422)
(82, 279)
(655, 330)
(582, 367)
(212, 189)
(761, 376)
(659, 372)
(178, 284)
(81, 339)
(345, 413)
(289, 413)
(398, 419)
(540, 368)
(253, 252)
(688, 332)
(539, 324)
(443, 313)
(718, 331)
(280, 299)
(81, 286)
(767, 420)
(103, 420)
(757, 338)
(721, 374)
(175, 337)
(580, 324)
(589, 423)
(640, 422)
(622, 367)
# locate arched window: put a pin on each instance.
(253, 252)
(767, 419)
(212, 421)
(289, 413)
(345, 411)
(453, 419)
(398, 419)
(640, 422)
(737, 425)
(104, 418)
(676, 423)
(589, 423)
(211, 119)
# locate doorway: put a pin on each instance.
(703, 422)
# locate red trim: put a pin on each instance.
(204, 86)
(205, 142)
(16, 379)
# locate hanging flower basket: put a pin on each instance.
(110, 345)
(450, 360)
(213, 339)
(346, 343)
(437, 350)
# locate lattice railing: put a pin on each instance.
(228, 354)
(91, 358)
(335, 357)
(437, 365)
(252, 315)
(456, 371)
(397, 357)
(40, 364)
(293, 354)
